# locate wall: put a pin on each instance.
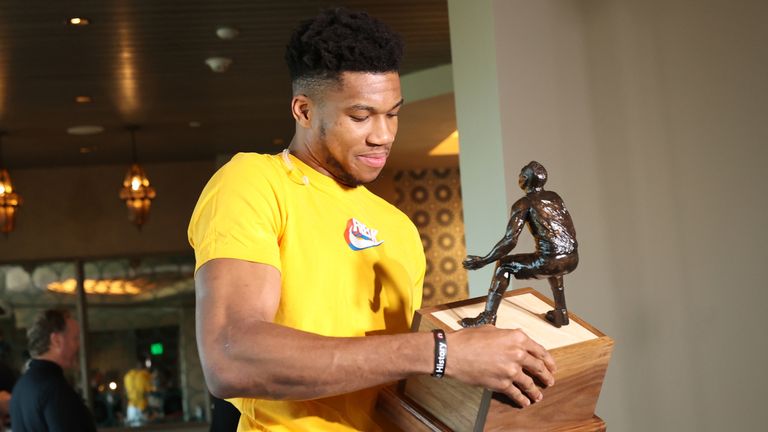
(476, 90)
(76, 212)
(196, 397)
(650, 117)
(432, 199)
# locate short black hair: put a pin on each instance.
(46, 323)
(341, 40)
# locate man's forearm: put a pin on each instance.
(245, 354)
(270, 361)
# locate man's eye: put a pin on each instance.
(358, 119)
(390, 115)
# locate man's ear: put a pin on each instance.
(55, 341)
(301, 109)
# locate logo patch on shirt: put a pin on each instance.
(359, 236)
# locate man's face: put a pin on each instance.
(354, 125)
(68, 344)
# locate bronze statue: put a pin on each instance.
(556, 249)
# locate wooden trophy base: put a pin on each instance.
(581, 352)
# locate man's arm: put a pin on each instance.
(517, 219)
(245, 354)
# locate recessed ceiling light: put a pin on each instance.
(195, 124)
(227, 33)
(218, 64)
(85, 130)
(78, 21)
(83, 99)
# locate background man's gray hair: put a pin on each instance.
(46, 323)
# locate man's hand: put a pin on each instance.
(473, 262)
(506, 361)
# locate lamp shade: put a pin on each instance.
(9, 202)
(137, 194)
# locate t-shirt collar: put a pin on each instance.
(315, 177)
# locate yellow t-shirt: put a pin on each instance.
(138, 382)
(351, 265)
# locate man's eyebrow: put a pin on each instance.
(399, 104)
(363, 107)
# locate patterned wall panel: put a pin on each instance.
(432, 199)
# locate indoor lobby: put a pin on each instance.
(650, 117)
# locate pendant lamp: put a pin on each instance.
(9, 200)
(136, 191)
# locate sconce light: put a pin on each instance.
(136, 191)
(9, 201)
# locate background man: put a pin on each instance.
(138, 384)
(42, 399)
(306, 282)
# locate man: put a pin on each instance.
(138, 384)
(556, 248)
(306, 282)
(42, 399)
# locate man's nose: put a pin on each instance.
(383, 132)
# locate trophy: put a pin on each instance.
(556, 249)
(581, 351)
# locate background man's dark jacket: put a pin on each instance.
(42, 400)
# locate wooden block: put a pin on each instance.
(581, 351)
(405, 415)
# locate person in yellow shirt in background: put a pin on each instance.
(138, 384)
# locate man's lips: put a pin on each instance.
(373, 160)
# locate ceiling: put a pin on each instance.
(142, 62)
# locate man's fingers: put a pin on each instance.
(542, 354)
(537, 361)
(517, 396)
(527, 386)
(538, 369)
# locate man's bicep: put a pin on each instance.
(233, 298)
(233, 290)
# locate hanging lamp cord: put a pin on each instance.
(1, 149)
(133, 146)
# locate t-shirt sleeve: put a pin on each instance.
(238, 214)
